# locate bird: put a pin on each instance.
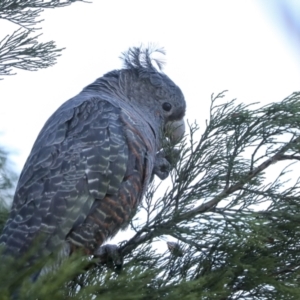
(94, 159)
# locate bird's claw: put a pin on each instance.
(165, 161)
(162, 167)
(108, 254)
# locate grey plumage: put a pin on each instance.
(93, 160)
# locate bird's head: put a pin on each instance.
(148, 91)
(160, 99)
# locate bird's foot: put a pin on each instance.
(162, 167)
(108, 254)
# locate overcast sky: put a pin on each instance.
(211, 46)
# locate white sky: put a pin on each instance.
(211, 46)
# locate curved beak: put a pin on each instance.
(175, 130)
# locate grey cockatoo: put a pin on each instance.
(93, 160)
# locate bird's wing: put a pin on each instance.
(81, 155)
(114, 212)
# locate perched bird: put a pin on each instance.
(93, 160)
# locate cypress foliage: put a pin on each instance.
(229, 212)
(22, 49)
(235, 223)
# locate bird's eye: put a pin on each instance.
(166, 106)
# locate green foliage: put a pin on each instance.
(21, 49)
(7, 184)
(236, 223)
(7, 177)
